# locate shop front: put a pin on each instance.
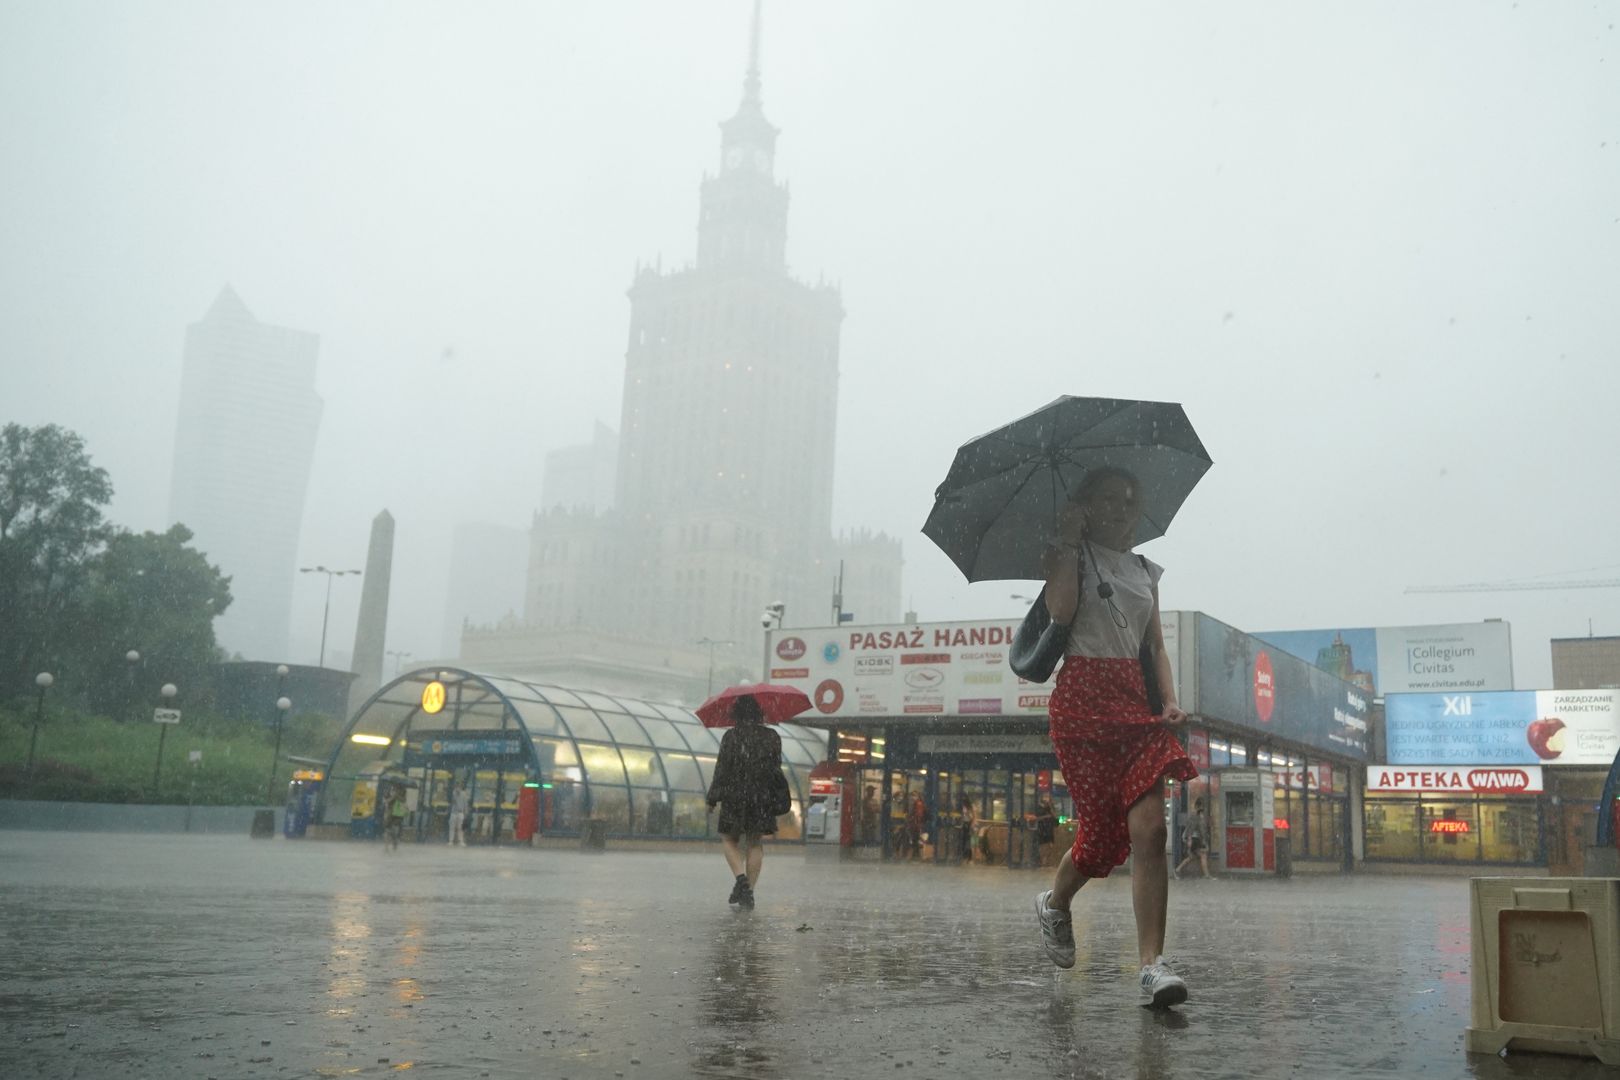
(1450, 815)
(1566, 739)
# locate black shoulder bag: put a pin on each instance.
(1144, 655)
(1039, 643)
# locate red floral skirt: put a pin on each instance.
(1112, 751)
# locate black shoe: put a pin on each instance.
(740, 890)
(748, 897)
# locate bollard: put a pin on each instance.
(264, 824)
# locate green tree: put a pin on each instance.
(153, 593)
(51, 527)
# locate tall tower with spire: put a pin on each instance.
(730, 407)
(723, 491)
(243, 448)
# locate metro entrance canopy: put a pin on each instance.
(641, 766)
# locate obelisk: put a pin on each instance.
(371, 629)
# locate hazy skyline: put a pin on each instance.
(1373, 249)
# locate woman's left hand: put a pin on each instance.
(1173, 716)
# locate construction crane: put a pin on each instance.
(1508, 586)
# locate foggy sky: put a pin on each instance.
(1373, 248)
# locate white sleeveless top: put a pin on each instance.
(1095, 630)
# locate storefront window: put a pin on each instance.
(1326, 828)
(1511, 832)
(1449, 831)
(1392, 831)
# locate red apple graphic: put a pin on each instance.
(1546, 737)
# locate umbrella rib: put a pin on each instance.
(1035, 467)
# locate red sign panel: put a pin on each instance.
(1265, 687)
(1240, 849)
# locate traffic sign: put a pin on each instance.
(166, 716)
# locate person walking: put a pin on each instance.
(969, 827)
(1114, 752)
(749, 763)
(1045, 829)
(916, 821)
(395, 817)
(1196, 838)
(460, 804)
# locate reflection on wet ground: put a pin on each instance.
(139, 956)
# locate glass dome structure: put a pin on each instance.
(641, 767)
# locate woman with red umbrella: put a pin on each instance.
(748, 783)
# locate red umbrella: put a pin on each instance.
(778, 703)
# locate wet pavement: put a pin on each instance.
(176, 956)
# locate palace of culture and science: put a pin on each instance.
(723, 492)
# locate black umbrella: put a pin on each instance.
(996, 510)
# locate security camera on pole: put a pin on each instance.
(772, 617)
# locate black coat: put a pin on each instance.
(750, 758)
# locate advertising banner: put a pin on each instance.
(1518, 727)
(921, 670)
(1448, 779)
(1247, 684)
(1408, 659)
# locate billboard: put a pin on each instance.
(1408, 659)
(1244, 683)
(1515, 727)
(919, 670)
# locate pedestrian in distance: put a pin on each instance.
(969, 827)
(460, 804)
(916, 821)
(870, 813)
(1195, 837)
(394, 817)
(1114, 752)
(750, 761)
(1045, 829)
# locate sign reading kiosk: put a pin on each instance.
(1516, 727)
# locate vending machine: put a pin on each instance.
(302, 793)
(528, 813)
(1248, 829)
(830, 816)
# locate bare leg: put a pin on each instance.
(756, 858)
(1066, 883)
(1150, 886)
(734, 855)
(1182, 865)
(1203, 861)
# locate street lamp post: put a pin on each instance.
(774, 614)
(711, 643)
(399, 658)
(131, 658)
(169, 691)
(282, 705)
(43, 680)
(330, 574)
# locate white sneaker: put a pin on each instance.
(1057, 931)
(1162, 987)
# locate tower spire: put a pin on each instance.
(751, 80)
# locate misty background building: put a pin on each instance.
(722, 500)
(243, 447)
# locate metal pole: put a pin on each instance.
(324, 616)
(39, 716)
(163, 733)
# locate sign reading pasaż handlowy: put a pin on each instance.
(166, 716)
(917, 670)
(1449, 779)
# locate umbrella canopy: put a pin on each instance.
(996, 510)
(778, 703)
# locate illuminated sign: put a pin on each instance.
(1446, 825)
(433, 697)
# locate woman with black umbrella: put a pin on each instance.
(1114, 751)
(749, 763)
